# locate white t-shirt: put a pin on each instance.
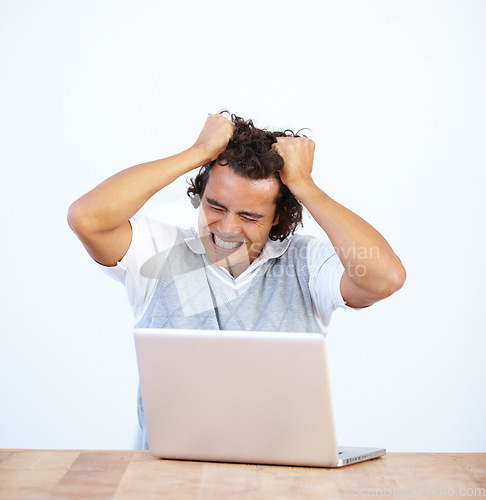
(150, 237)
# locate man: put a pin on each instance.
(242, 269)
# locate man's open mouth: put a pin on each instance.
(226, 245)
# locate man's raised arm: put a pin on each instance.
(372, 270)
(100, 217)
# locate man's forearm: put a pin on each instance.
(368, 259)
(114, 201)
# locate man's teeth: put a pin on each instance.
(227, 245)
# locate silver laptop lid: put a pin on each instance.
(251, 397)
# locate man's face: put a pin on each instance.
(236, 217)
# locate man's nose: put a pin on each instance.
(230, 225)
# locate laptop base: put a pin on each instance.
(348, 455)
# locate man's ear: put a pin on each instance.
(277, 217)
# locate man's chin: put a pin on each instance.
(235, 263)
(226, 260)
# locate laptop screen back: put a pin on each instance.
(250, 397)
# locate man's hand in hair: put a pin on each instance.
(214, 137)
(298, 156)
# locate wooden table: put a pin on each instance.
(35, 474)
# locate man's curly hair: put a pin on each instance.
(249, 153)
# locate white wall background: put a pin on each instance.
(394, 95)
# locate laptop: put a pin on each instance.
(237, 396)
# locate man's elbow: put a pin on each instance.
(78, 220)
(394, 280)
(72, 216)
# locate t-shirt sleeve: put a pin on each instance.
(149, 237)
(325, 273)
